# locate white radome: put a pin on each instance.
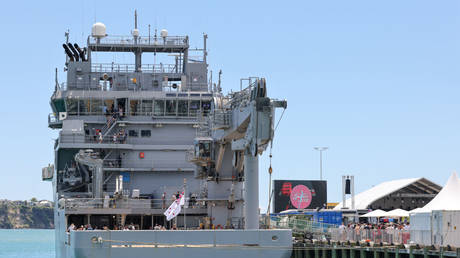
(135, 33)
(98, 30)
(164, 33)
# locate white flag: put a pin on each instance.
(175, 208)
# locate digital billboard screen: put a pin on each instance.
(299, 194)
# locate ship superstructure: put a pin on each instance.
(133, 136)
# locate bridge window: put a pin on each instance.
(109, 104)
(206, 107)
(194, 107)
(72, 106)
(133, 133)
(146, 133)
(134, 107)
(159, 108)
(96, 106)
(171, 107)
(83, 107)
(147, 107)
(182, 108)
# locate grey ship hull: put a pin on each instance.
(190, 243)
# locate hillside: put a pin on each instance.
(23, 215)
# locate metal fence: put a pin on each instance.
(307, 227)
(377, 236)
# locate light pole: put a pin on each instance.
(321, 149)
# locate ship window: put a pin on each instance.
(194, 107)
(171, 107)
(146, 133)
(182, 108)
(134, 107)
(72, 106)
(133, 133)
(159, 108)
(206, 106)
(96, 106)
(110, 105)
(147, 107)
(83, 107)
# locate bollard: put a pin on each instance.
(411, 252)
(385, 253)
(334, 251)
(425, 252)
(344, 252)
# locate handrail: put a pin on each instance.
(124, 203)
(155, 163)
(192, 87)
(141, 40)
(129, 68)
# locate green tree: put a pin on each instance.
(33, 199)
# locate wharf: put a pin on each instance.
(335, 250)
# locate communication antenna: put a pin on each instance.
(219, 89)
(66, 35)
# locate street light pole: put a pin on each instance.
(321, 149)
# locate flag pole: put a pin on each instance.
(185, 201)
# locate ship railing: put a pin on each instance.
(155, 114)
(127, 203)
(130, 86)
(148, 164)
(377, 236)
(141, 40)
(129, 68)
(222, 118)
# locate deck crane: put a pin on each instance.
(244, 120)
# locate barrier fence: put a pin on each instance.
(377, 236)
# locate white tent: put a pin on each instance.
(375, 214)
(447, 198)
(428, 224)
(397, 213)
(414, 210)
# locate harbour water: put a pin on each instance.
(30, 243)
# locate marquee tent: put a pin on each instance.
(446, 199)
(397, 213)
(375, 214)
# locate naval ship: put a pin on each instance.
(135, 137)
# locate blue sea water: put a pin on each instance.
(30, 243)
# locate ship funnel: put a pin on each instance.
(75, 53)
(68, 52)
(81, 52)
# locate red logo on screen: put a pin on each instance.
(300, 197)
(286, 189)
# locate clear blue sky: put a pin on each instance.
(377, 82)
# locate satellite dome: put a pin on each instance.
(164, 33)
(135, 33)
(98, 30)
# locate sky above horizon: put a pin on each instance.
(376, 82)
